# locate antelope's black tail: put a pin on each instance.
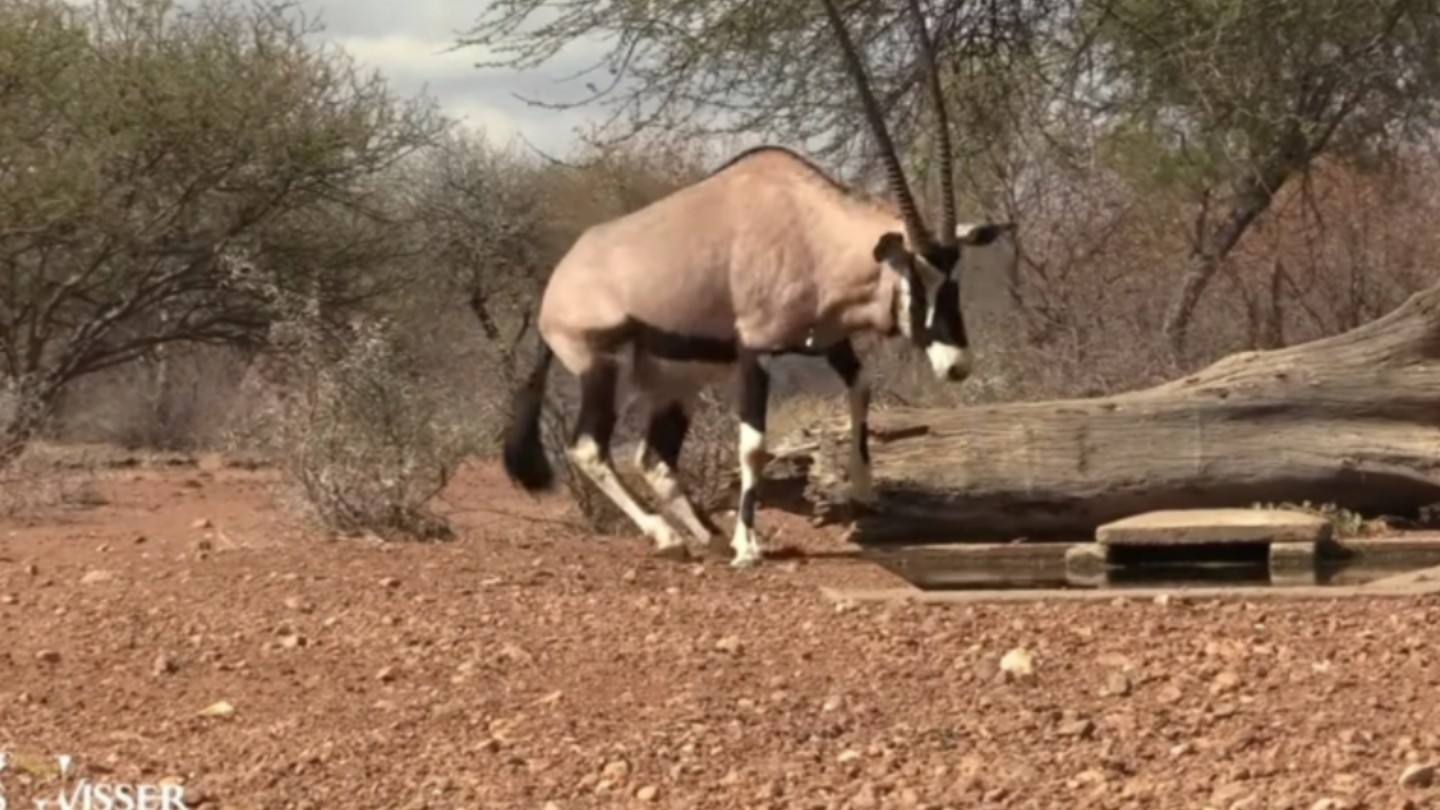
(525, 460)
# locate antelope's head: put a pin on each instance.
(928, 305)
(929, 265)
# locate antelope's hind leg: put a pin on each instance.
(590, 452)
(666, 424)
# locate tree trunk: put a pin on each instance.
(1251, 200)
(1352, 419)
(31, 401)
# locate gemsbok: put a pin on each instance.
(765, 256)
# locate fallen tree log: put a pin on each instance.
(1352, 419)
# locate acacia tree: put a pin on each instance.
(483, 214)
(740, 67)
(166, 174)
(1225, 99)
(1231, 99)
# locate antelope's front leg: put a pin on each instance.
(754, 398)
(846, 363)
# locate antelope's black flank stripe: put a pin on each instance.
(667, 345)
(693, 348)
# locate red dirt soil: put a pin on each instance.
(527, 665)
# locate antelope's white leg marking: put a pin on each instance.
(665, 483)
(861, 490)
(752, 461)
(586, 455)
(640, 449)
(943, 358)
(667, 422)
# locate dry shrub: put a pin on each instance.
(368, 441)
(40, 484)
(710, 459)
(181, 398)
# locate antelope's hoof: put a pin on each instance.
(858, 509)
(861, 492)
(743, 561)
(668, 544)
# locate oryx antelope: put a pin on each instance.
(765, 256)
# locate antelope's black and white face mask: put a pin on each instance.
(930, 312)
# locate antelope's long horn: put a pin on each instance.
(919, 237)
(942, 123)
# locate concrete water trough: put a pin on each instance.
(1202, 550)
(1285, 543)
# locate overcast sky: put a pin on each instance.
(407, 41)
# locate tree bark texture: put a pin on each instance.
(30, 403)
(1252, 200)
(1352, 419)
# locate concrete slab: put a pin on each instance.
(1087, 565)
(1425, 577)
(1293, 564)
(1419, 550)
(1397, 590)
(973, 565)
(1190, 527)
(966, 553)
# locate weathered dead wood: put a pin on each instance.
(1352, 419)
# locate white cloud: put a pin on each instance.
(411, 43)
(406, 54)
(487, 98)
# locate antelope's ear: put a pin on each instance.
(983, 234)
(890, 247)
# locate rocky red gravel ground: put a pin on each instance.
(527, 665)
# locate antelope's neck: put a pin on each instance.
(860, 292)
